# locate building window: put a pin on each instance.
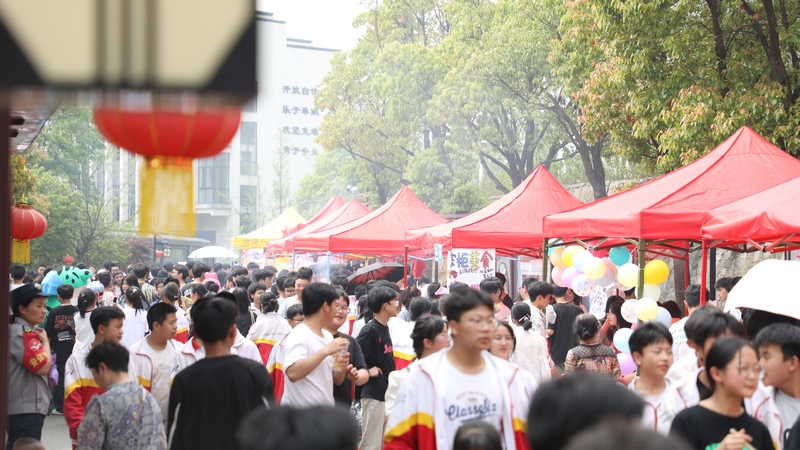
(247, 147)
(248, 207)
(116, 174)
(131, 187)
(212, 179)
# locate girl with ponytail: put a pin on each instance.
(590, 355)
(531, 353)
(135, 326)
(87, 301)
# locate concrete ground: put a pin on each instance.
(55, 435)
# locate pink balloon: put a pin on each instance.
(606, 259)
(634, 325)
(600, 253)
(610, 275)
(557, 274)
(626, 364)
(569, 274)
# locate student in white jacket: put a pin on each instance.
(429, 336)
(153, 355)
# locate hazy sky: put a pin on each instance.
(326, 22)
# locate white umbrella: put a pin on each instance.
(772, 285)
(213, 251)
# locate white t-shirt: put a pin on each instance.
(357, 326)
(316, 388)
(679, 346)
(789, 409)
(655, 413)
(471, 397)
(162, 366)
(286, 304)
(83, 330)
(135, 326)
(683, 367)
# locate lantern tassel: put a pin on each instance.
(20, 251)
(167, 196)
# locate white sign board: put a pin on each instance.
(470, 266)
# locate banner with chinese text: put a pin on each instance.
(470, 266)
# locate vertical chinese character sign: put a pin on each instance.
(470, 266)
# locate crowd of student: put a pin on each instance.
(249, 358)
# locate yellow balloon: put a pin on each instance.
(556, 259)
(656, 272)
(628, 275)
(594, 268)
(568, 253)
(646, 309)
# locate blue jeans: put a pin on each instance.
(24, 425)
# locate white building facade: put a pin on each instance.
(234, 190)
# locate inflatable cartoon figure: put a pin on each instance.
(73, 276)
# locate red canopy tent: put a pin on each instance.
(512, 224)
(770, 216)
(351, 211)
(332, 205)
(380, 232)
(668, 211)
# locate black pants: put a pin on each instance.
(24, 425)
(58, 389)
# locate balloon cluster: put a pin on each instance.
(582, 271)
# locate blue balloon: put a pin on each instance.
(621, 338)
(619, 255)
(663, 317)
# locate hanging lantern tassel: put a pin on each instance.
(167, 196)
(20, 251)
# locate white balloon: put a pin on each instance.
(651, 291)
(628, 310)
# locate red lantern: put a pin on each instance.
(159, 254)
(26, 224)
(68, 260)
(168, 140)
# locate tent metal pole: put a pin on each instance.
(687, 276)
(294, 256)
(544, 259)
(328, 266)
(519, 272)
(703, 272)
(642, 247)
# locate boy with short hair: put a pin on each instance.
(460, 384)
(678, 329)
(294, 315)
(60, 328)
(779, 352)
(537, 294)
(376, 344)
(209, 399)
(493, 287)
(125, 416)
(308, 352)
(153, 355)
(696, 386)
(651, 348)
(79, 383)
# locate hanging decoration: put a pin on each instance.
(68, 260)
(26, 224)
(169, 140)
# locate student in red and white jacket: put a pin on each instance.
(464, 383)
(79, 384)
(153, 357)
(270, 328)
(171, 295)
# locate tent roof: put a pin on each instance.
(672, 206)
(332, 205)
(767, 216)
(273, 230)
(351, 211)
(381, 231)
(511, 224)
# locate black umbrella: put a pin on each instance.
(389, 271)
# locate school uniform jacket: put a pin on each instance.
(402, 344)
(143, 364)
(412, 424)
(275, 369)
(268, 330)
(761, 406)
(80, 387)
(183, 327)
